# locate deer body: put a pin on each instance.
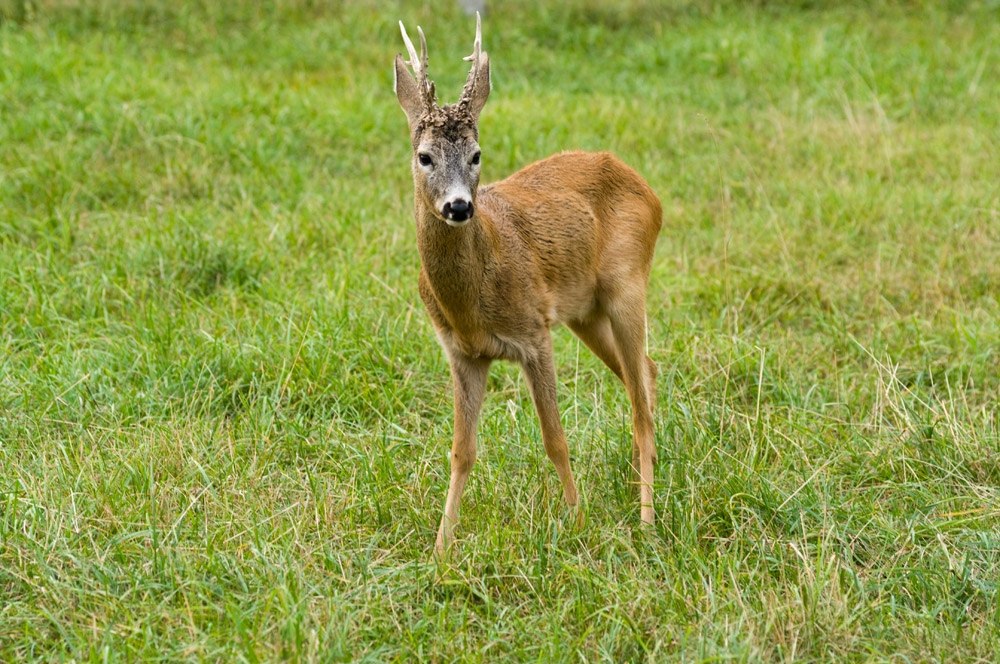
(568, 239)
(532, 261)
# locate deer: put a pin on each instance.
(565, 240)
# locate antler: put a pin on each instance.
(471, 97)
(477, 46)
(419, 64)
(476, 58)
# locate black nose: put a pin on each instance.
(458, 210)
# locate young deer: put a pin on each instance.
(568, 239)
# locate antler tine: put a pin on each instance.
(415, 62)
(477, 46)
(423, 48)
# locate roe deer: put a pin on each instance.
(568, 239)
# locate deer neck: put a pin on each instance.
(455, 260)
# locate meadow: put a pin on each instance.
(225, 420)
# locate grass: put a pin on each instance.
(224, 421)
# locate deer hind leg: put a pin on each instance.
(469, 378)
(596, 333)
(541, 377)
(628, 323)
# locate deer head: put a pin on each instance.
(444, 138)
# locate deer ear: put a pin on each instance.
(481, 86)
(407, 91)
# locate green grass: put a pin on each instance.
(224, 420)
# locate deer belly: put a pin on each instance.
(486, 345)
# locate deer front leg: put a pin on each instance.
(541, 377)
(469, 378)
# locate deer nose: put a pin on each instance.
(458, 209)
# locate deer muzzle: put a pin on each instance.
(458, 210)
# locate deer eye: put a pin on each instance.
(425, 159)
(475, 158)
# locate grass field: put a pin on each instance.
(224, 419)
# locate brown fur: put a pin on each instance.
(568, 239)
